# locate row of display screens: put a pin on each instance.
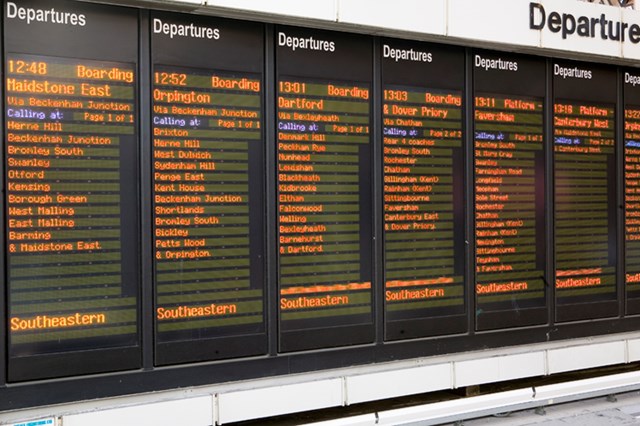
(73, 139)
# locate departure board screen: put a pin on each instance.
(71, 205)
(423, 190)
(509, 190)
(631, 79)
(585, 190)
(324, 188)
(208, 150)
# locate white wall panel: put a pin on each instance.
(273, 401)
(186, 412)
(391, 384)
(492, 20)
(428, 17)
(316, 9)
(633, 349)
(496, 369)
(585, 356)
